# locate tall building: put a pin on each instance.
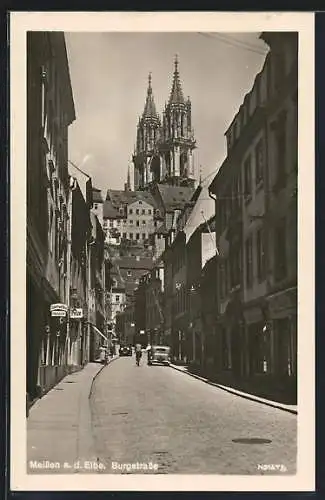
(50, 111)
(164, 148)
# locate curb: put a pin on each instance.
(99, 371)
(243, 395)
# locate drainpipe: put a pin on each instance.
(72, 187)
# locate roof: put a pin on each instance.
(176, 95)
(174, 197)
(110, 212)
(134, 263)
(150, 107)
(120, 198)
(97, 195)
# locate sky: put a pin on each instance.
(109, 76)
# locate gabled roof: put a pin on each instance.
(174, 197)
(120, 198)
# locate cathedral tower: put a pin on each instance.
(177, 137)
(164, 151)
(146, 156)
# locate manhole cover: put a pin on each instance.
(252, 441)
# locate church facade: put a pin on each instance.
(164, 146)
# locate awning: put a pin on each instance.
(99, 332)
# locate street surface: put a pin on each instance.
(155, 414)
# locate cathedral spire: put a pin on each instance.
(150, 107)
(176, 95)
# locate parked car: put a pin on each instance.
(159, 354)
(125, 350)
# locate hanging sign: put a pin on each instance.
(76, 313)
(59, 310)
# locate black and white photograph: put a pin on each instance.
(162, 195)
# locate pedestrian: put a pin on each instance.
(138, 353)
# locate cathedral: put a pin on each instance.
(164, 145)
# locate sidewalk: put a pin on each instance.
(251, 397)
(59, 424)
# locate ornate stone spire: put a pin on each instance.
(176, 95)
(150, 107)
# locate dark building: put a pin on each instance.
(256, 226)
(50, 110)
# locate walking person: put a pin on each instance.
(138, 353)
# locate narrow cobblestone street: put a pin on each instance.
(159, 415)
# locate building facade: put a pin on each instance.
(256, 224)
(50, 111)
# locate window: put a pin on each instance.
(118, 222)
(235, 267)
(279, 67)
(259, 162)
(280, 252)
(137, 211)
(129, 273)
(260, 255)
(131, 221)
(144, 222)
(281, 150)
(143, 211)
(130, 211)
(131, 236)
(249, 261)
(143, 236)
(111, 223)
(137, 223)
(124, 235)
(149, 211)
(95, 206)
(117, 298)
(137, 236)
(248, 178)
(140, 202)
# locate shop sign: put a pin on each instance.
(76, 313)
(58, 310)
